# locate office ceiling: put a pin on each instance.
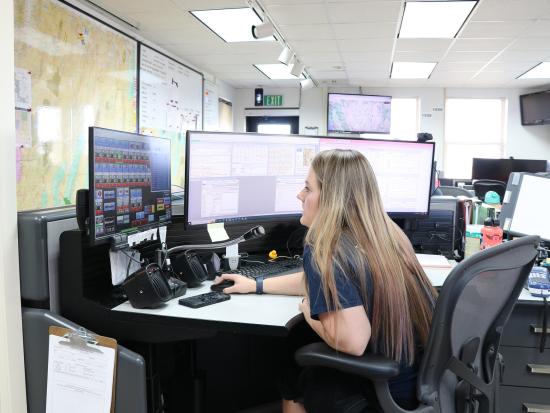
(353, 42)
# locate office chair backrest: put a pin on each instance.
(455, 191)
(482, 186)
(473, 306)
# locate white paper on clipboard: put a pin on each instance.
(80, 378)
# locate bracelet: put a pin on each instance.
(260, 285)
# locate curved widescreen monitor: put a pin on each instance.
(235, 177)
(129, 183)
(358, 113)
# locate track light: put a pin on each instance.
(307, 84)
(297, 68)
(286, 56)
(263, 30)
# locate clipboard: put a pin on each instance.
(86, 342)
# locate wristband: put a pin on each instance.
(260, 285)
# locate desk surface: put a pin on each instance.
(275, 312)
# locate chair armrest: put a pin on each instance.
(371, 366)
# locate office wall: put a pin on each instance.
(12, 372)
(521, 141)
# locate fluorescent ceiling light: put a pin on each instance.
(434, 19)
(540, 71)
(232, 25)
(277, 71)
(411, 70)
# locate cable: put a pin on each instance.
(131, 257)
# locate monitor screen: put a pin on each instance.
(500, 169)
(535, 108)
(531, 197)
(358, 113)
(240, 177)
(129, 182)
(403, 171)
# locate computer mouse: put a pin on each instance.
(221, 286)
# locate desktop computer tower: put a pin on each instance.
(442, 232)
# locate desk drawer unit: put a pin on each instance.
(526, 379)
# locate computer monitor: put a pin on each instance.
(525, 205)
(348, 113)
(129, 183)
(500, 169)
(235, 177)
(403, 171)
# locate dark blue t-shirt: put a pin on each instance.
(402, 387)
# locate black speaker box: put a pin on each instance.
(188, 267)
(147, 287)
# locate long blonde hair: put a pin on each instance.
(352, 231)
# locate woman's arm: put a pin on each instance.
(346, 330)
(291, 284)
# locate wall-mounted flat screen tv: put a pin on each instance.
(349, 113)
(535, 108)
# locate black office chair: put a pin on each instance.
(482, 186)
(455, 191)
(461, 368)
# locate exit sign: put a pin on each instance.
(273, 100)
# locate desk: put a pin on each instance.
(268, 313)
(250, 313)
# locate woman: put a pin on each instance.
(363, 284)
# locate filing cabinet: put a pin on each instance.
(526, 379)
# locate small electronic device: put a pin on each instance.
(188, 267)
(130, 182)
(258, 97)
(205, 299)
(222, 285)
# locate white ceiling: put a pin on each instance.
(353, 42)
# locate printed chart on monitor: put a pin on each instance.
(170, 103)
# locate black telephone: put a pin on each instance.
(188, 267)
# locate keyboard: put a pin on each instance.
(269, 269)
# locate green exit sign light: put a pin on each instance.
(273, 100)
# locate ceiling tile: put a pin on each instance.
(531, 43)
(307, 32)
(453, 76)
(368, 66)
(324, 75)
(366, 74)
(298, 14)
(495, 29)
(358, 31)
(522, 56)
(371, 11)
(483, 45)
(123, 7)
(460, 66)
(307, 46)
(540, 28)
(428, 56)
(366, 56)
(311, 58)
(493, 10)
(423, 44)
(494, 76)
(473, 56)
(365, 45)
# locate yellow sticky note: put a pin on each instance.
(217, 232)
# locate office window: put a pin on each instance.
(404, 120)
(474, 128)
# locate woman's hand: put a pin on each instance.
(242, 285)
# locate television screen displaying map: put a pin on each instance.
(359, 113)
(72, 72)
